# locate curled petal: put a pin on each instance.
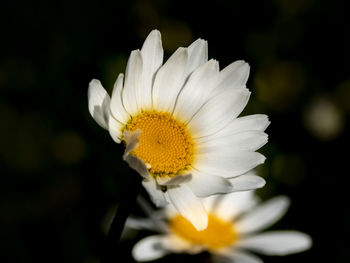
(99, 101)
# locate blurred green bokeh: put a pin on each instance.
(61, 173)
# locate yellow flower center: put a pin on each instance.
(165, 143)
(218, 234)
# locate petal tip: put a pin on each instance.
(201, 225)
(94, 82)
(261, 182)
(155, 32)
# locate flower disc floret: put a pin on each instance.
(165, 143)
(218, 234)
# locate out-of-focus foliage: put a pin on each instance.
(61, 173)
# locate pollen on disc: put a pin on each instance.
(165, 143)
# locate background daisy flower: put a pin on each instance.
(179, 122)
(235, 222)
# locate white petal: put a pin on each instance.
(152, 57)
(196, 91)
(132, 141)
(175, 180)
(218, 112)
(188, 205)
(156, 216)
(233, 76)
(237, 257)
(147, 207)
(247, 182)
(264, 215)
(117, 108)
(115, 129)
(177, 244)
(149, 248)
(279, 243)
(169, 80)
(137, 164)
(204, 185)
(210, 202)
(132, 91)
(141, 223)
(154, 247)
(97, 97)
(228, 163)
(170, 211)
(246, 141)
(156, 194)
(257, 122)
(197, 55)
(230, 206)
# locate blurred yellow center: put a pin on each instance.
(218, 234)
(165, 143)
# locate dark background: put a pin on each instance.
(61, 173)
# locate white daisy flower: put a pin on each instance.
(235, 221)
(180, 125)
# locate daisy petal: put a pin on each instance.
(97, 97)
(246, 141)
(228, 163)
(257, 122)
(218, 112)
(247, 182)
(149, 248)
(169, 81)
(233, 76)
(264, 215)
(117, 108)
(237, 257)
(175, 180)
(245, 257)
(279, 243)
(155, 193)
(132, 91)
(188, 205)
(141, 223)
(197, 90)
(210, 203)
(232, 205)
(204, 185)
(152, 57)
(197, 55)
(179, 245)
(115, 129)
(132, 141)
(170, 211)
(155, 216)
(137, 164)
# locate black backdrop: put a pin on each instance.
(61, 173)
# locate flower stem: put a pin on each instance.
(112, 250)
